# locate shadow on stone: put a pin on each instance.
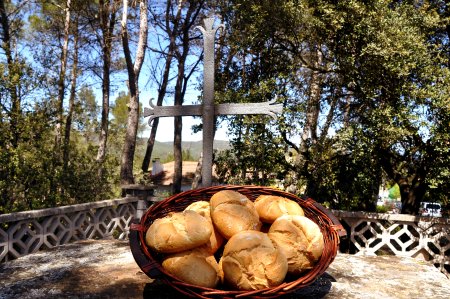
(159, 290)
(319, 289)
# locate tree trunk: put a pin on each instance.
(178, 128)
(126, 170)
(7, 194)
(198, 173)
(107, 22)
(410, 181)
(61, 80)
(177, 155)
(71, 98)
(180, 91)
(150, 145)
(15, 112)
(172, 35)
(309, 134)
(412, 194)
(312, 106)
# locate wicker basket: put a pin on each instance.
(150, 264)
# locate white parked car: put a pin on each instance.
(430, 209)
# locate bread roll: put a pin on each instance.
(300, 239)
(178, 232)
(196, 266)
(203, 208)
(251, 262)
(221, 277)
(270, 207)
(233, 212)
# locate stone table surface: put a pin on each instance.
(106, 269)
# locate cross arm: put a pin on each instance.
(165, 111)
(268, 108)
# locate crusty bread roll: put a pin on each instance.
(196, 266)
(270, 207)
(203, 208)
(250, 261)
(178, 232)
(300, 239)
(221, 276)
(233, 212)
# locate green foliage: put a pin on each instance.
(86, 113)
(30, 178)
(120, 114)
(382, 209)
(120, 111)
(32, 172)
(365, 87)
(256, 158)
(185, 153)
(381, 71)
(394, 192)
(346, 173)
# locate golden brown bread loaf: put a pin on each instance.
(203, 208)
(196, 266)
(221, 276)
(233, 212)
(300, 239)
(270, 207)
(178, 232)
(250, 261)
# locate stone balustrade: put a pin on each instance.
(27, 232)
(22, 233)
(427, 238)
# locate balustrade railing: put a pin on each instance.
(368, 233)
(27, 232)
(427, 238)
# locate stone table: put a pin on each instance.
(106, 269)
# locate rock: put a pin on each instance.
(386, 277)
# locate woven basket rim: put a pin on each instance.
(150, 261)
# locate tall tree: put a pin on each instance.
(86, 114)
(11, 73)
(192, 18)
(126, 171)
(165, 56)
(10, 101)
(376, 71)
(176, 22)
(398, 77)
(62, 76)
(72, 95)
(107, 11)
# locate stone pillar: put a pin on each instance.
(144, 193)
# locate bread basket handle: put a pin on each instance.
(148, 267)
(336, 223)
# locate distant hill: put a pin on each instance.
(163, 149)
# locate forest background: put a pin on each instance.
(365, 88)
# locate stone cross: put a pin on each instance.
(208, 109)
